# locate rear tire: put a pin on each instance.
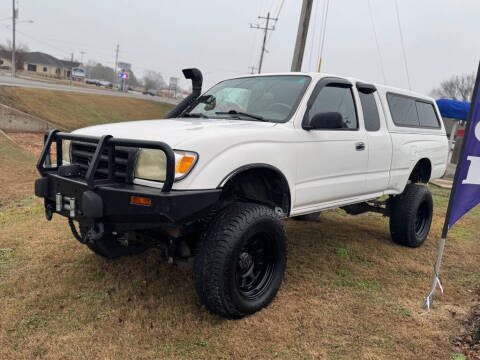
(241, 259)
(411, 216)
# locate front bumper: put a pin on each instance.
(90, 201)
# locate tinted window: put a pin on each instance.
(427, 115)
(370, 111)
(336, 99)
(403, 109)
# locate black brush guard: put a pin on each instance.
(92, 200)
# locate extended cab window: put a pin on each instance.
(370, 111)
(336, 99)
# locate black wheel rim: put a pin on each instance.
(256, 266)
(422, 220)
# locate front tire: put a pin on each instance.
(241, 260)
(411, 216)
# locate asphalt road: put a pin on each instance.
(7, 80)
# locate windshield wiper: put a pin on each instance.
(195, 115)
(235, 112)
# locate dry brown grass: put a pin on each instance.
(76, 110)
(349, 293)
(16, 172)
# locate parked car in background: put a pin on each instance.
(92, 82)
(150, 92)
(106, 84)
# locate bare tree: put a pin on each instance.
(456, 88)
(20, 51)
(153, 80)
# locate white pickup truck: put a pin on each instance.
(212, 182)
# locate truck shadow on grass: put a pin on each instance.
(323, 251)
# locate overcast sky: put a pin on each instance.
(442, 37)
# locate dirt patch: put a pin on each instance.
(468, 342)
(32, 142)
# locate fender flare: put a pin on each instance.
(244, 168)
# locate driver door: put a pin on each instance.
(331, 162)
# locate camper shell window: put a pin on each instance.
(412, 112)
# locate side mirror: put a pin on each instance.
(326, 120)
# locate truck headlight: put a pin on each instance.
(152, 164)
(66, 158)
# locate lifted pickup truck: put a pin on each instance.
(212, 182)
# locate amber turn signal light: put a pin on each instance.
(184, 165)
(139, 200)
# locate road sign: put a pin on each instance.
(124, 65)
(123, 75)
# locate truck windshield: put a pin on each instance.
(257, 98)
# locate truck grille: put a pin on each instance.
(82, 154)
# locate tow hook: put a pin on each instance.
(95, 232)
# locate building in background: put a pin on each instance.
(48, 65)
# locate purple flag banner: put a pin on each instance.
(466, 190)
(465, 193)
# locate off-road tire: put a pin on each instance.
(109, 246)
(221, 266)
(307, 217)
(411, 216)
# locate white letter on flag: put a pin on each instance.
(473, 176)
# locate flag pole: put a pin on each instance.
(428, 301)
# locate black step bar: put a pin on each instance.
(105, 142)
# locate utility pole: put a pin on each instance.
(71, 69)
(14, 17)
(117, 49)
(266, 29)
(302, 35)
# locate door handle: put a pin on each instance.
(360, 146)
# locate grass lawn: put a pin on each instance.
(75, 110)
(349, 292)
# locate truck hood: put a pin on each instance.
(173, 131)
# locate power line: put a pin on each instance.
(265, 29)
(42, 41)
(376, 41)
(324, 32)
(314, 34)
(278, 11)
(403, 45)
